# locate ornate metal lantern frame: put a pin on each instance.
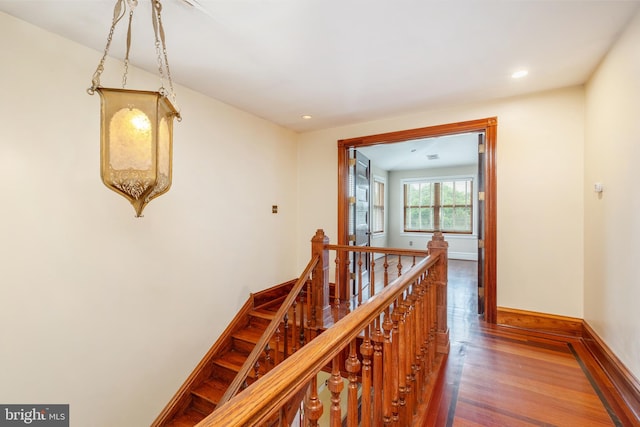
(136, 127)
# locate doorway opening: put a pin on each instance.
(485, 132)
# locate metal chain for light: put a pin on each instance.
(161, 51)
(132, 5)
(160, 44)
(118, 13)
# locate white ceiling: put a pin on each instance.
(346, 61)
(451, 150)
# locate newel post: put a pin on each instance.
(437, 246)
(320, 283)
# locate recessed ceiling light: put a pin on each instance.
(306, 117)
(519, 74)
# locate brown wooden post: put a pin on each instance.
(400, 319)
(352, 365)
(378, 341)
(395, 364)
(320, 288)
(335, 386)
(366, 349)
(437, 246)
(388, 380)
(312, 404)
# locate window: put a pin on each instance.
(446, 205)
(378, 206)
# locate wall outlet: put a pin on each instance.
(410, 242)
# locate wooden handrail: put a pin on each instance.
(268, 333)
(260, 400)
(373, 249)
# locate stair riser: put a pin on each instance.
(224, 373)
(259, 322)
(201, 405)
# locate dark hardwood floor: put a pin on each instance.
(503, 376)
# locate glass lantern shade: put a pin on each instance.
(136, 144)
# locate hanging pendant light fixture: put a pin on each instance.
(136, 127)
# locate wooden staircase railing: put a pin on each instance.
(389, 346)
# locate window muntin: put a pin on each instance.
(446, 205)
(377, 225)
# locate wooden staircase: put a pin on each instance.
(202, 391)
(389, 348)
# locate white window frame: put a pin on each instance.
(433, 179)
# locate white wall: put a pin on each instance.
(101, 310)
(612, 227)
(540, 192)
(462, 246)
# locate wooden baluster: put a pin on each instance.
(411, 353)
(294, 326)
(352, 366)
(427, 313)
(399, 265)
(395, 364)
(277, 349)
(347, 285)
(312, 404)
(372, 282)
(256, 369)
(400, 348)
(433, 324)
(427, 321)
(378, 341)
(419, 320)
(285, 343)
(301, 328)
(387, 356)
(419, 337)
(413, 264)
(308, 307)
(366, 349)
(336, 290)
(386, 270)
(335, 387)
(268, 363)
(359, 278)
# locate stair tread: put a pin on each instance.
(211, 390)
(232, 360)
(263, 314)
(251, 335)
(268, 314)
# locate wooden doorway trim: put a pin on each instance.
(490, 127)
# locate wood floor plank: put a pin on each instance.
(505, 376)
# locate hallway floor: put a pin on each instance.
(503, 376)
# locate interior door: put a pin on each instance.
(361, 216)
(481, 221)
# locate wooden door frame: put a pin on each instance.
(490, 127)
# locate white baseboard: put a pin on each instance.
(466, 256)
